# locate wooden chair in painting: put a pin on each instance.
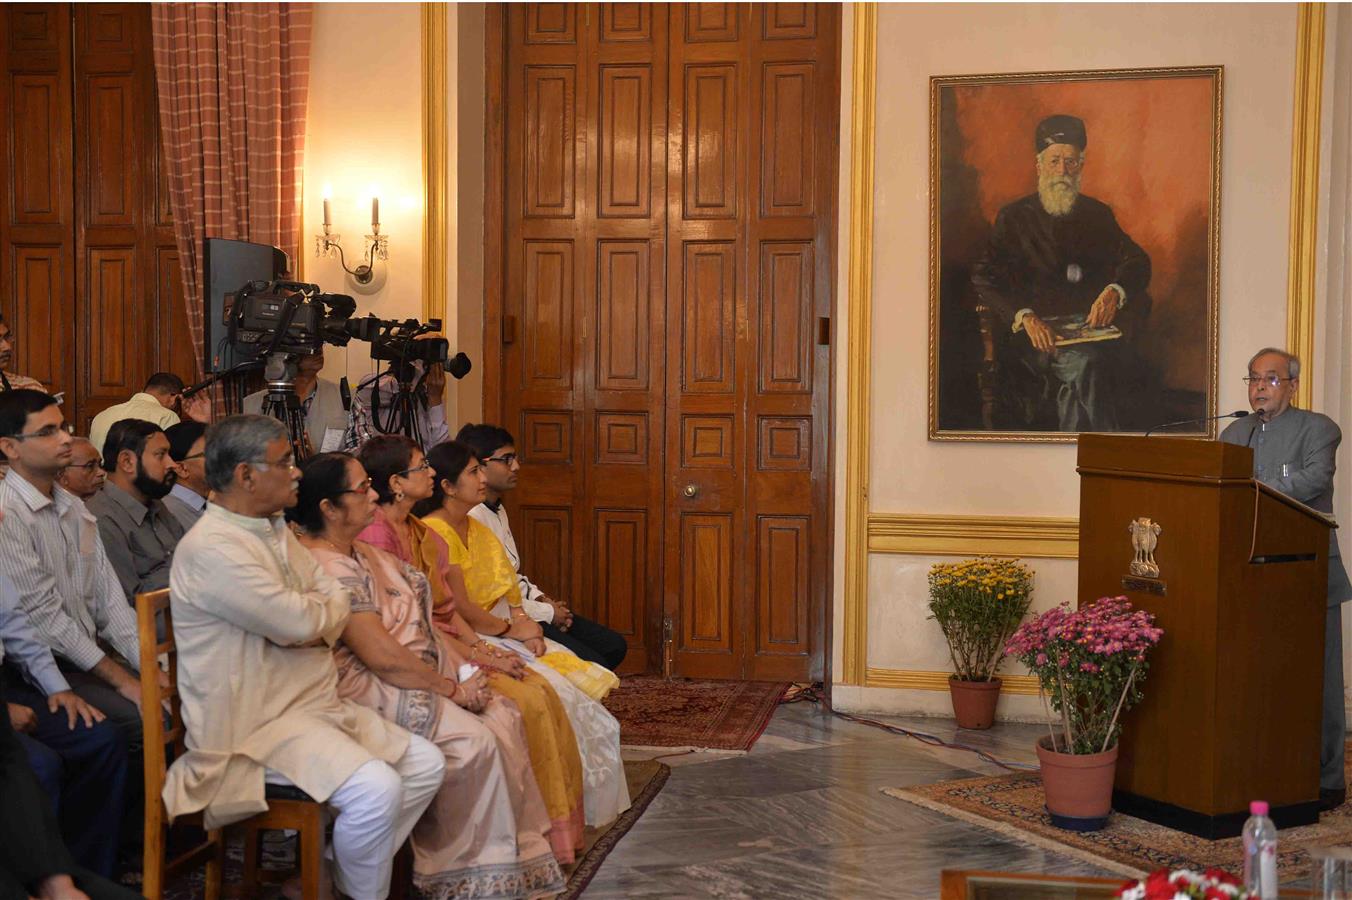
(288, 808)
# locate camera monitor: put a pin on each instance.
(227, 267)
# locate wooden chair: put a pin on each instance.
(287, 807)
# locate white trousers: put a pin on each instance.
(376, 809)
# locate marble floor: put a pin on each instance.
(802, 815)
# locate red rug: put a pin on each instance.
(703, 715)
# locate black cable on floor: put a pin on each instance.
(813, 693)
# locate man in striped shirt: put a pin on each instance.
(50, 548)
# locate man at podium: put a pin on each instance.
(1294, 452)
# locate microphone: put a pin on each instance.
(200, 386)
(1237, 414)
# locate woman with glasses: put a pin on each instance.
(486, 578)
(485, 833)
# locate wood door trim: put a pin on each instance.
(495, 199)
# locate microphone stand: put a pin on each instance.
(1237, 414)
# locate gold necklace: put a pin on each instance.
(351, 554)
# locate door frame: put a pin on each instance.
(495, 273)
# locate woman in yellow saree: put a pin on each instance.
(487, 588)
(400, 477)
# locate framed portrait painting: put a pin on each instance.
(1074, 248)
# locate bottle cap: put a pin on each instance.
(1258, 808)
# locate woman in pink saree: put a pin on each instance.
(485, 833)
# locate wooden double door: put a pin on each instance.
(663, 232)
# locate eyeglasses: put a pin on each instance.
(363, 487)
(1269, 380)
(89, 467)
(46, 431)
(287, 462)
(507, 459)
(196, 456)
(421, 467)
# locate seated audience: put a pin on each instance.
(255, 619)
(482, 580)
(400, 477)
(188, 449)
(160, 402)
(84, 476)
(485, 833)
(10, 381)
(50, 548)
(79, 758)
(139, 534)
(367, 420)
(34, 861)
(321, 401)
(589, 640)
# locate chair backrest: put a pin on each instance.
(163, 743)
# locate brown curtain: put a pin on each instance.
(233, 79)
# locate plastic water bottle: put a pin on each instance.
(1260, 853)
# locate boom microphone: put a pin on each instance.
(1237, 414)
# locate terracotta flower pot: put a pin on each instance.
(1079, 787)
(974, 702)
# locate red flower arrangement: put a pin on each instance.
(1166, 884)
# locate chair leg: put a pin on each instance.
(249, 882)
(152, 860)
(215, 874)
(401, 879)
(311, 849)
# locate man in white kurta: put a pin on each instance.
(254, 619)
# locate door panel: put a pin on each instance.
(668, 218)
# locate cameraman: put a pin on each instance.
(320, 401)
(429, 418)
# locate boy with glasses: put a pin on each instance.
(590, 640)
(187, 499)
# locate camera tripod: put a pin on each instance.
(282, 403)
(402, 415)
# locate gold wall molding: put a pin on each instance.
(916, 680)
(938, 535)
(1305, 132)
(434, 136)
(859, 352)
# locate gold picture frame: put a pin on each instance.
(1149, 172)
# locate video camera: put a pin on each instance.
(287, 317)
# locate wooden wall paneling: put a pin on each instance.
(710, 353)
(544, 258)
(793, 94)
(37, 250)
(623, 344)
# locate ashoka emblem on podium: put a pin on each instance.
(1145, 536)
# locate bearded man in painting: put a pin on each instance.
(1057, 261)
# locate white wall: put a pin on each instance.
(365, 133)
(1256, 44)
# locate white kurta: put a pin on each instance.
(245, 594)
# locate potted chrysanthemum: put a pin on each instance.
(1090, 662)
(978, 604)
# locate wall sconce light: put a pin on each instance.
(377, 245)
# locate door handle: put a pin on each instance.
(690, 491)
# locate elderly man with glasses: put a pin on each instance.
(1295, 451)
(84, 476)
(255, 620)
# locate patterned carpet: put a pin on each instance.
(645, 777)
(1013, 805)
(687, 714)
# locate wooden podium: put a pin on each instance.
(1232, 702)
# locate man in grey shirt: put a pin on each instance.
(1294, 451)
(187, 499)
(138, 533)
(320, 400)
(50, 548)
